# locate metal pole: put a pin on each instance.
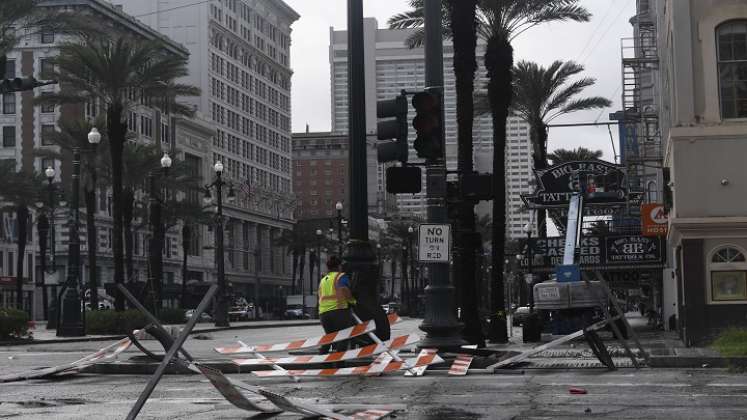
(151, 300)
(339, 232)
(529, 269)
(72, 317)
(440, 323)
(221, 308)
(257, 284)
(359, 256)
(43, 232)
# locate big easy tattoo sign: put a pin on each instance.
(558, 183)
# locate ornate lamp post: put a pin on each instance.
(378, 259)
(530, 277)
(72, 322)
(338, 207)
(413, 283)
(157, 235)
(221, 304)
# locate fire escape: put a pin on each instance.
(642, 145)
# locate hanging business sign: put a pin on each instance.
(614, 252)
(558, 183)
(654, 220)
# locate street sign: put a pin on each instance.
(568, 273)
(654, 220)
(434, 244)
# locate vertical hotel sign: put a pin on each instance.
(654, 219)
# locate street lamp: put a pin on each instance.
(338, 207)
(155, 278)
(72, 320)
(530, 277)
(49, 268)
(382, 287)
(221, 306)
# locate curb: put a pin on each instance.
(119, 337)
(697, 362)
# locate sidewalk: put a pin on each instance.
(41, 335)
(665, 349)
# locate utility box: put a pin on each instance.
(585, 296)
(551, 295)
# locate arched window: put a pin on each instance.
(731, 43)
(727, 279)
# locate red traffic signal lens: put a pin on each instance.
(425, 102)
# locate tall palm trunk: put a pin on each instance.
(301, 265)
(463, 27)
(90, 197)
(22, 218)
(498, 62)
(117, 130)
(128, 208)
(186, 235)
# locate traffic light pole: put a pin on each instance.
(440, 322)
(359, 257)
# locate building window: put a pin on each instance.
(9, 103)
(47, 36)
(727, 282)
(10, 69)
(47, 135)
(731, 39)
(9, 136)
(46, 69)
(47, 108)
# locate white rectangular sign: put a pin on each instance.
(434, 243)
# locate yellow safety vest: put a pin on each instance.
(329, 300)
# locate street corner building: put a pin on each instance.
(703, 110)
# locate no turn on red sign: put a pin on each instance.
(434, 243)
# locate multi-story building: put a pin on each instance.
(399, 67)
(26, 128)
(320, 162)
(240, 58)
(703, 115)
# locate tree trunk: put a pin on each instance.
(499, 62)
(117, 131)
(294, 256)
(301, 265)
(539, 138)
(186, 236)
(22, 218)
(463, 26)
(128, 207)
(93, 285)
(394, 271)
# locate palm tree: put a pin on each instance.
(23, 17)
(74, 134)
(117, 72)
(19, 191)
(191, 216)
(580, 154)
(543, 94)
(463, 26)
(499, 22)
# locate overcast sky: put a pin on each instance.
(596, 44)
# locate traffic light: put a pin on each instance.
(392, 128)
(428, 125)
(18, 84)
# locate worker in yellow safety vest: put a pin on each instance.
(336, 300)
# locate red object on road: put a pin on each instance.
(577, 391)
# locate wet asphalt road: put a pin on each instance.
(538, 394)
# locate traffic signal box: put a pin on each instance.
(393, 127)
(428, 125)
